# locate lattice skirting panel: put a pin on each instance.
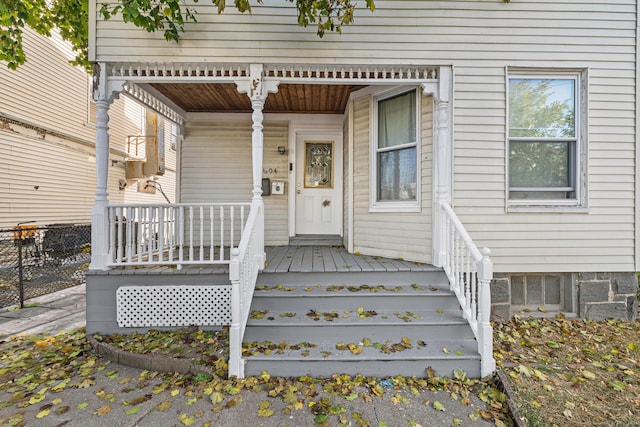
(156, 306)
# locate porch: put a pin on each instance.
(202, 261)
(215, 282)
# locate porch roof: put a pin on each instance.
(211, 88)
(290, 98)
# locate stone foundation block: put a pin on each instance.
(603, 311)
(500, 312)
(500, 291)
(625, 283)
(586, 276)
(597, 291)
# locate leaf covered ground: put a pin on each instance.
(57, 380)
(567, 372)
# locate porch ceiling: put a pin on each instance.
(290, 98)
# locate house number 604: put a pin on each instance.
(270, 170)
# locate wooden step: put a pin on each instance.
(293, 298)
(328, 317)
(443, 356)
(319, 328)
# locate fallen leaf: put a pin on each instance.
(36, 398)
(103, 410)
(133, 410)
(438, 406)
(163, 406)
(186, 419)
(264, 409)
(61, 410)
(43, 413)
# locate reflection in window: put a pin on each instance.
(542, 138)
(174, 136)
(396, 151)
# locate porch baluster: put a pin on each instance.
(180, 236)
(201, 221)
(160, 234)
(141, 220)
(190, 233)
(231, 226)
(171, 231)
(130, 237)
(212, 226)
(221, 233)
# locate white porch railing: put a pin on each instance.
(470, 273)
(246, 261)
(174, 234)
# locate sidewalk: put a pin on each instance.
(109, 394)
(62, 310)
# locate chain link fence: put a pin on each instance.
(38, 260)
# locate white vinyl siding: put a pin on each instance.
(405, 235)
(480, 39)
(407, 31)
(216, 167)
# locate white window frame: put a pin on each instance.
(174, 137)
(393, 206)
(579, 203)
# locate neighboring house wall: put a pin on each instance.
(479, 39)
(47, 154)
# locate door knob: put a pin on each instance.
(298, 191)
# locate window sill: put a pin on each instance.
(414, 208)
(547, 208)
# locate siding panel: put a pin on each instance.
(404, 235)
(216, 167)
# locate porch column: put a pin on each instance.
(443, 158)
(257, 89)
(104, 93)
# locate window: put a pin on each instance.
(395, 150)
(544, 139)
(174, 136)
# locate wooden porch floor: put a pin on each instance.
(293, 259)
(320, 259)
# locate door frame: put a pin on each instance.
(328, 130)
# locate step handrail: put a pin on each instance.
(470, 272)
(246, 261)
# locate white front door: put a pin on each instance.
(319, 184)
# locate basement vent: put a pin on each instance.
(156, 306)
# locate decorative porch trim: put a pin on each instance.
(153, 103)
(257, 90)
(299, 73)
